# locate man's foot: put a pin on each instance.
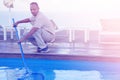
(44, 50)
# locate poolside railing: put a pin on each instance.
(63, 33)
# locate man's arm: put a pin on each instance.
(30, 33)
(22, 21)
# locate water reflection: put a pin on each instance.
(78, 75)
(7, 73)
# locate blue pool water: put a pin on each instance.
(46, 69)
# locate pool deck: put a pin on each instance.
(76, 51)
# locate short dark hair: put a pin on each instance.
(34, 3)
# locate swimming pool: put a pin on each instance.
(51, 69)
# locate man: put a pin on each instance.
(42, 30)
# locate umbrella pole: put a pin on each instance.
(10, 26)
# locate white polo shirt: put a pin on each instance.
(41, 21)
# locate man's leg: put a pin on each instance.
(42, 37)
(32, 40)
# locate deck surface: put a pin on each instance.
(91, 51)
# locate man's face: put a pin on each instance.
(34, 9)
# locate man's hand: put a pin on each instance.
(21, 40)
(15, 24)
